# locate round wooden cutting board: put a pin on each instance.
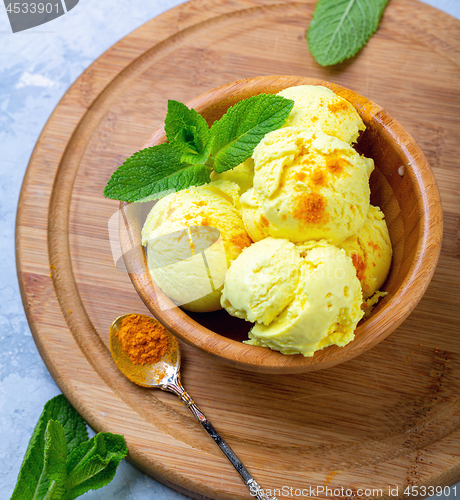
(389, 418)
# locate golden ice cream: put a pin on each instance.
(321, 250)
(318, 108)
(321, 308)
(242, 175)
(191, 237)
(307, 185)
(263, 281)
(370, 250)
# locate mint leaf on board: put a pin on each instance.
(151, 172)
(93, 464)
(32, 482)
(188, 131)
(340, 28)
(243, 126)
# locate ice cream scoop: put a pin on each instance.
(242, 175)
(188, 263)
(263, 281)
(370, 250)
(323, 309)
(307, 185)
(318, 108)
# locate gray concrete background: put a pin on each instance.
(37, 66)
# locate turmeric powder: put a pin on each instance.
(144, 341)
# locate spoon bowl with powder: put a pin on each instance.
(164, 374)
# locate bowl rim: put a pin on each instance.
(388, 318)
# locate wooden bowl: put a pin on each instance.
(411, 205)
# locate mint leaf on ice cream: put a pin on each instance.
(153, 171)
(188, 131)
(194, 149)
(244, 125)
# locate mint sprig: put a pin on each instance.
(340, 28)
(194, 149)
(31, 480)
(60, 463)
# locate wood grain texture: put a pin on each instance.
(390, 417)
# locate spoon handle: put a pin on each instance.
(177, 388)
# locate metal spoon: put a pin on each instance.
(165, 375)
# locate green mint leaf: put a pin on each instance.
(55, 451)
(193, 158)
(151, 172)
(93, 464)
(55, 460)
(243, 126)
(187, 130)
(192, 175)
(340, 28)
(32, 483)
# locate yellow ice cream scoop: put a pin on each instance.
(370, 250)
(242, 175)
(262, 281)
(307, 185)
(323, 308)
(191, 237)
(326, 308)
(318, 108)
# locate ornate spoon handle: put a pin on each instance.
(176, 387)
